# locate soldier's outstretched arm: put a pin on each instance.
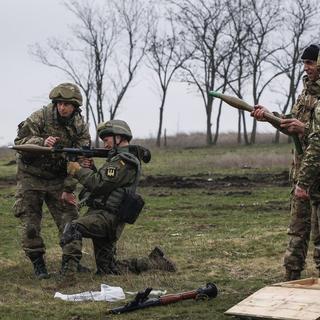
(107, 178)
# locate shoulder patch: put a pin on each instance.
(111, 171)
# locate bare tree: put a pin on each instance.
(299, 20)
(103, 56)
(94, 38)
(204, 23)
(265, 16)
(165, 56)
(97, 31)
(134, 17)
(239, 70)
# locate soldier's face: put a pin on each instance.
(108, 142)
(310, 68)
(65, 109)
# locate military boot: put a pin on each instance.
(39, 265)
(69, 266)
(292, 275)
(80, 268)
(160, 261)
(83, 269)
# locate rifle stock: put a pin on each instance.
(271, 118)
(142, 301)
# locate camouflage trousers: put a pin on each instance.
(302, 222)
(315, 229)
(28, 208)
(105, 230)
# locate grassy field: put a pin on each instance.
(221, 223)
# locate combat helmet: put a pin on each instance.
(68, 92)
(113, 128)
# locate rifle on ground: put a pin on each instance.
(142, 299)
(72, 154)
(271, 118)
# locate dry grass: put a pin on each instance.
(198, 139)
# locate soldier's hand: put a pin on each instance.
(301, 193)
(73, 167)
(51, 141)
(86, 162)
(258, 112)
(69, 197)
(293, 125)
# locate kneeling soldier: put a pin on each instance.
(111, 198)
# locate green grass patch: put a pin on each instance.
(233, 236)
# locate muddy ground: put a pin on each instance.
(202, 181)
(217, 181)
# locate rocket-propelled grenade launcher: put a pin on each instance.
(270, 117)
(142, 153)
(143, 301)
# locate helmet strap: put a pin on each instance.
(114, 149)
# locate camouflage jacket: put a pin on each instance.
(105, 187)
(35, 129)
(308, 177)
(303, 110)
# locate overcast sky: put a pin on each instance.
(25, 83)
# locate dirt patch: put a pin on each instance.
(198, 181)
(217, 181)
(7, 182)
(265, 206)
(11, 163)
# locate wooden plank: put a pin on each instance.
(308, 283)
(277, 302)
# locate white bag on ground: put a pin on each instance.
(107, 293)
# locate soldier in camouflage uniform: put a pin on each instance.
(308, 185)
(298, 122)
(106, 189)
(44, 178)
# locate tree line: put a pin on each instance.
(244, 47)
